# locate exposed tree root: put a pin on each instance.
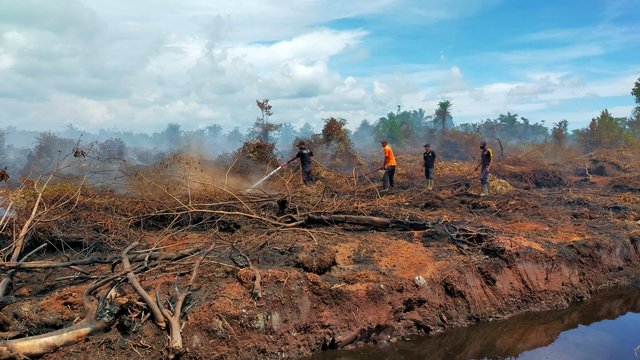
(257, 287)
(378, 333)
(96, 320)
(176, 347)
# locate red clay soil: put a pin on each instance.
(326, 287)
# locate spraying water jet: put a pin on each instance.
(266, 177)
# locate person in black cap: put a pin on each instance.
(486, 159)
(429, 165)
(304, 155)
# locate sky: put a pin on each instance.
(139, 65)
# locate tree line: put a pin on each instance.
(265, 141)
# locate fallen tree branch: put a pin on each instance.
(376, 222)
(157, 256)
(17, 248)
(153, 307)
(53, 264)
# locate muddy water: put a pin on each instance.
(607, 326)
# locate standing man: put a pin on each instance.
(486, 159)
(304, 155)
(429, 165)
(389, 166)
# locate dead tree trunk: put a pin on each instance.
(372, 221)
(131, 277)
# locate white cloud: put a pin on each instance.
(6, 61)
(140, 64)
(528, 90)
(317, 45)
(455, 80)
(574, 81)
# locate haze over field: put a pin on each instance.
(139, 65)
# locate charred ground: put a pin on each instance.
(291, 271)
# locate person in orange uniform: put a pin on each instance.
(389, 166)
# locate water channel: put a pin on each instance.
(605, 327)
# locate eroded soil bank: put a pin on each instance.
(604, 327)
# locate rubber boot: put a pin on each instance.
(430, 184)
(485, 190)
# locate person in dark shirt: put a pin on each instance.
(486, 160)
(304, 155)
(430, 162)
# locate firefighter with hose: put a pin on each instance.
(304, 155)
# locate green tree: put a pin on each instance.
(419, 120)
(635, 92)
(468, 127)
(401, 127)
(389, 127)
(510, 127)
(442, 113)
(605, 131)
(539, 132)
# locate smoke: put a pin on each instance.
(4, 213)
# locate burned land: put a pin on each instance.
(176, 260)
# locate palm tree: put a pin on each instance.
(287, 134)
(172, 136)
(389, 127)
(419, 119)
(214, 131)
(71, 131)
(235, 136)
(306, 131)
(442, 112)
